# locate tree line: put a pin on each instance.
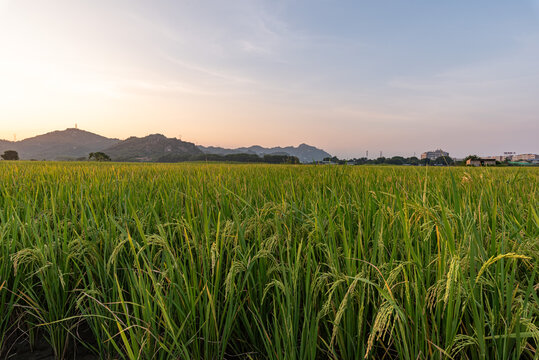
(395, 160)
(414, 161)
(285, 159)
(241, 158)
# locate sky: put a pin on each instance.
(397, 77)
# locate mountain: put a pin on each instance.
(58, 145)
(154, 147)
(305, 153)
(5, 144)
(72, 144)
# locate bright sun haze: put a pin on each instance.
(348, 76)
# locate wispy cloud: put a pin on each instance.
(163, 88)
(252, 48)
(208, 70)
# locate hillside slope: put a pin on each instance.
(59, 145)
(305, 153)
(154, 147)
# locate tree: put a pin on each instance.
(280, 159)
(395, 160)
(10, 155)
(361, 161)
(333, 159)
(443, 160)
(413, 160)
(99, 156)
(425, 161)
(471, 157)
(380, 160)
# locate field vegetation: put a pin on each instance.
(220, 261)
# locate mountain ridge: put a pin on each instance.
(77, 144)
(304, 152)
(151, 148)
(68, 144)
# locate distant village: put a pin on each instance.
(473, 160)
(441, 158)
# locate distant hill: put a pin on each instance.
(67, 144)
(5, 144)
(154, 147)
(73, 144)
(305, 153)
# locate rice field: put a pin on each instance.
(220, 261)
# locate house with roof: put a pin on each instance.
(481, 162)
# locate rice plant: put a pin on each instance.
(220, 261)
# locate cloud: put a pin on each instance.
(163, 88)
(251, 48)
(223, 75)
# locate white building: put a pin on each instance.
(433, 155)
(525, 157)
(500, 158)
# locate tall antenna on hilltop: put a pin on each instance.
(14, 137)
(76, 127)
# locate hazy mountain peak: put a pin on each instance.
(74, 143)
(304, 152)
(153, 147)
(70, 143)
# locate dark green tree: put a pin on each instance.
(333, 159)
(425, 161)
(395, 160)
(412, 160)
(443, 160)
(471, 157)
(10, 155)
(379, 160)
(280, 159)
(99, 156)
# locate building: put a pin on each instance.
(525, 157)
(481, 162)
(500, 158)
(433, 155)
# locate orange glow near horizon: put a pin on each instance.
(255, 72)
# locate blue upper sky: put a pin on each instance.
(400, 77)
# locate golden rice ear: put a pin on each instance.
(452, 278)
(342, 307)
(494, 259)
(383, 321)
(461, 342)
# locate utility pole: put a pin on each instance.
(380, 153)
(367, 154)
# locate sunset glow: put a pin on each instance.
(347, 77)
